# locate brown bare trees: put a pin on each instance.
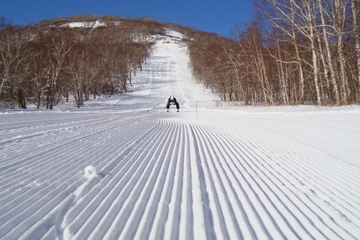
(14, 57)
(58, 59)
(296, 52)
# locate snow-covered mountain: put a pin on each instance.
(208, 172)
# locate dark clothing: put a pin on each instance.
(172, 101)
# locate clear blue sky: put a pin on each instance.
(216, 16)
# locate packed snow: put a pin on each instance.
(123, 168)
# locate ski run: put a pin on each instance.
(210, 171)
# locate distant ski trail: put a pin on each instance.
(165, 176)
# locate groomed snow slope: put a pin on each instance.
(207, 172)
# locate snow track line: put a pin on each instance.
(158, 179)
(267, 170)
(262, 232)
(283, 199)
(296, 170)
(24, 205)
(211, 166)
(206, 166)
(254, 170)
(115, 167)
(172, 228)
(126, 179)
(216, 153)
(49, 151)
(53, 150)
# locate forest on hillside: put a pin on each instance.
(79, 57)
(294, 52)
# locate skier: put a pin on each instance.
(172, 101)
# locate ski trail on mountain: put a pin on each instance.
(173, 175)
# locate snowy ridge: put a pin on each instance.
(92, 24)
(219, 173)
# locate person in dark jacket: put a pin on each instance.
(172, 101)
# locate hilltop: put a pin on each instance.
(79, 57)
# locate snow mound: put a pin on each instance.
(172, 33)
(90, 170)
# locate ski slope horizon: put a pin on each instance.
(211, 171)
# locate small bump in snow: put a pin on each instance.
(90, 170)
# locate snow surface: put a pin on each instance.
(91, 24)
(211, 171)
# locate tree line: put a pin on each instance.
(50, 61)
(294, 52)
